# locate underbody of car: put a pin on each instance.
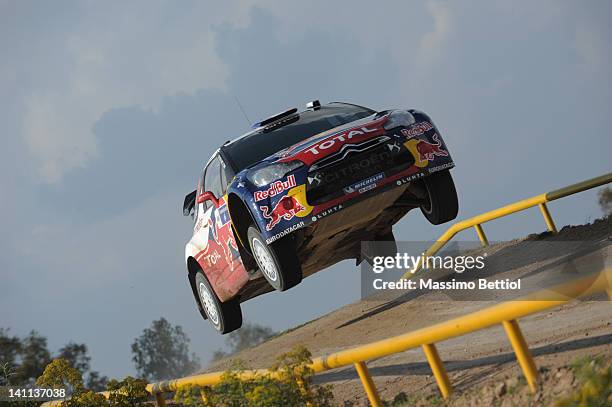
(302, 191)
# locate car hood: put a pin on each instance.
(330, 141)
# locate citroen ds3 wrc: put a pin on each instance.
(301, 191)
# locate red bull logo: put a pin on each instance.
(286, 208)
(275, 188)
(417, 129)
(429, 151)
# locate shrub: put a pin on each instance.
(287, 383)
(128, 392)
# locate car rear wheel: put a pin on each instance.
(224, 316)
(277, 261)
(441, 204)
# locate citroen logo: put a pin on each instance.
(315, 178)
(394, 147)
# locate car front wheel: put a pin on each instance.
(224, 316)
(441, 203)
(277, 261)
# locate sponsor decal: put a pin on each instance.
(315, 178)
(340, 137)
(394, 147)
(354, 168)
(284, 232)
(199, 224)
(409, 178)
(364, 185)
(220, 236)
(417, 129)
(212, 258)
(441, 167)
(212, 230)
(365, 189)
(275, 188)
(223, 215)
(429, 151)
(351, 149)
(286, 208)
(327, 212)
(231, 252)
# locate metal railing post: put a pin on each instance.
(550, 224)
(481, 235)
(435, 363)
(521, 350)
(368, 384)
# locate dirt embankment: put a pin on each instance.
(481, 360)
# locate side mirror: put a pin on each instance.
(189, 203)
(208, 196)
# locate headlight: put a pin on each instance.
(266, 175)
(399, 118)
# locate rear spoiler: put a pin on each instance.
(189, 203)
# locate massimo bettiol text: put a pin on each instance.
(423, 263)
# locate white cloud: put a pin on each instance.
(432, 43)
(116, 56)
(57, 132)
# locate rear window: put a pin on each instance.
(258, 145)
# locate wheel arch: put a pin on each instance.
(241, 219)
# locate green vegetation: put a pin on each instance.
(404, 400)
(605, 200)
(287, 384)
(129, 392)
(22, 360)
(595, 388)
(162, 352)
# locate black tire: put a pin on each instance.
(442, 203)
(278, 261)
(225, 316)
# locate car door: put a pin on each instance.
(220, 256)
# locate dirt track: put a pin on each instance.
(556, 337)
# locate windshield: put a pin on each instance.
(258, 145)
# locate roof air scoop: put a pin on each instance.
(274, 118)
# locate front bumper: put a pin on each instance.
(350, 175)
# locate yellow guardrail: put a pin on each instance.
(538, 200)
(506, 314)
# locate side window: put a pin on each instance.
(201, 189)
(226, 175)
(212, 179)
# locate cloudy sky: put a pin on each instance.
(110, 109)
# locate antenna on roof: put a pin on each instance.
(242, 110)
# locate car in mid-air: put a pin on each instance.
(301, 191)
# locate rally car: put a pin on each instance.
(301, 191)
